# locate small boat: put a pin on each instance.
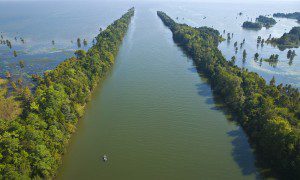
(105, 158)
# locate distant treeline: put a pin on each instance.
(287, 40)
(261, 21)
(32, 145)
(269, 114)
(251, 25)
(266, 21)
(295, 15)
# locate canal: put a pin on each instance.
(155, 118)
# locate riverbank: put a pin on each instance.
(155, 118)
(50, 115)
(259, 106)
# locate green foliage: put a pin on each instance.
(32, 145)
(272, 60)
(268, 113)
(287, 40)
(9, 107)
(266, 21)
(252, 25)
(15, 54)
(80, 54)
(295, 15)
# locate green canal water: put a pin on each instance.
(155, 118)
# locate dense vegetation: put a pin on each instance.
(32, 144)
(287, 40)
(268, 113)
(251, 25)
(266, 21)
(272, 60)
(295, 15)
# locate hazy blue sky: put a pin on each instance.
(175, 0)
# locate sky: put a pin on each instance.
(242, 1)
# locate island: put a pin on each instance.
(34, 136)
(252, 25)
(269, 114)
(266, 21)
(287, 40)
(295, 15)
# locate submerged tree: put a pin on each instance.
(258, 39)
(269, 38)
(78, 42)
(256, 56)
(291, 54)
(85, 42)
(7, 75)
(22, 40)
(8, 43)
(262, 42)
(244, 54)
(228, 37)
(22, 64)
(232, 61)
(15, 54)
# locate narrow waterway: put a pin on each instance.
(156, 118)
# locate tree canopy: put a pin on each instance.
(32, 143)
(269, 114)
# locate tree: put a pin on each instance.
(256, 55)
(258, 39)
(289, 53)
(15, 54)
(20, 82)
(22, 64)
(244, 54)
(78, 42)
(8, 75)
(80, 54)
(233, 58)
(235, 44)
(85, 42)
(272, 82)
(228, 37)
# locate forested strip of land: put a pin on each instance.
(268, 113)
(34, 138)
